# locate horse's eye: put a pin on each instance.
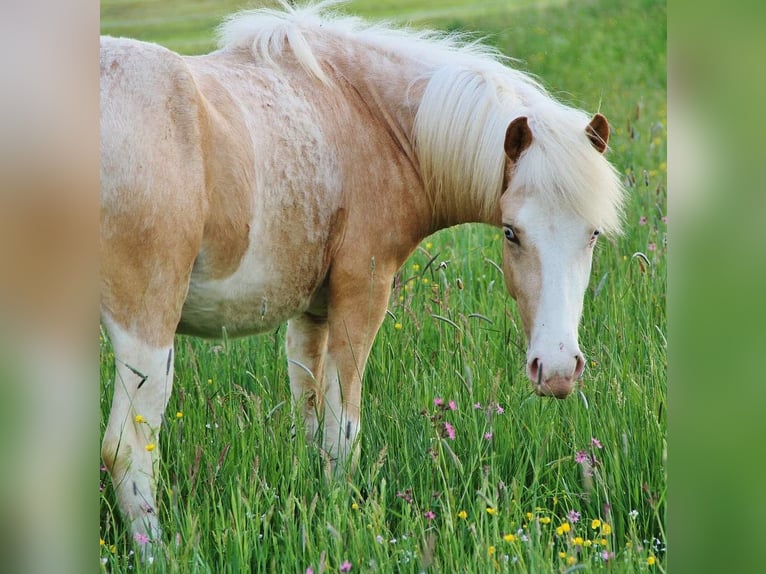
(510, 235)
(593, 237)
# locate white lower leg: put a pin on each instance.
(130, 449)
(341, 425)
(304, 399)
(306, 344)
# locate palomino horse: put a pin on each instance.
(287, 177)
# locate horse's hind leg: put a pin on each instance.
(142, 386)
(145, 279)
(306, 348)
(147, 257)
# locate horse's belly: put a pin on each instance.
(257, 298)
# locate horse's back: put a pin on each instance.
(152, 185)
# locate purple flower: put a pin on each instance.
(141, 538)
(406, 495)
(595, 442)
(607, 555)
(573, 516)
(452, 405)
(642, 220)
(429, 515)
(476, 406)
(346, 566)
(499, 410)
(582, 457)
(450, 430)
(438, 402)
(309, 570)
(487, 436)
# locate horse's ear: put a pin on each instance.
(598, 132)
(518, 137)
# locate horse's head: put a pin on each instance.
(548, 250)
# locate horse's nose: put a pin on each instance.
(556, 376)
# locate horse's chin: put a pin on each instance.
(558, 387)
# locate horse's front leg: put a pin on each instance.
(306, 348)
(356, 310)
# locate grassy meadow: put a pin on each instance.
(527, 484)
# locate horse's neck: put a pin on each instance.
(391, 87)
(382, 83)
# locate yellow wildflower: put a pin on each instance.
(150, 447)
(651, 560)
(578, 541)
(101, 541)
(530, 516)
(509, 538)
(491, 511)
(587, 543)
(545, 520)
(562, 554)
(354, 506)
(571, 561)
(398, 326)
(426, 280)
(595, 523)
(606, 529)
(415, 267)
(559, 531)
(604, 542)
(429, 245)
(139, 419)
(491, 550)
(565, 527)
(179, 414)
(462, 515)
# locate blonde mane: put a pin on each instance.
(469, 99)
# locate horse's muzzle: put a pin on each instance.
(559, 387)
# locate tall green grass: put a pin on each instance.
(238, 494)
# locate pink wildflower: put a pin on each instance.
(141, 538)
(652, 247)
(429, 515)
(665, 219)
(450, 430)
(476, 406)
(573, 516)
(487, 436)
(438, 402)
(452, 405)
(346, 566)
(642, 220)
(499, 410)
(309, 570)
(582, 457)
(595, 442)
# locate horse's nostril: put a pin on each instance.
(536, 370)
(579, 365)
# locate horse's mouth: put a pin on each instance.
(557, 387)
